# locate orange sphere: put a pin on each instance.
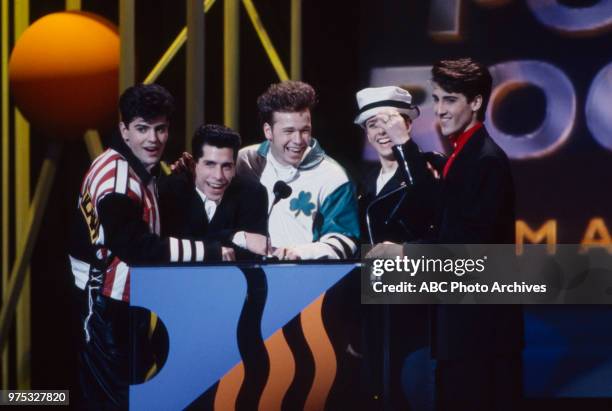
(64, 72)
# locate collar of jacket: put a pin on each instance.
(119, 146)
(312, 159)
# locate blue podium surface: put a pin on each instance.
(270, 336)
(206, 309)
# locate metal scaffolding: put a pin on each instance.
(27, 212)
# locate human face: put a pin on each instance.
(214, 171)
(146, 139)
(454, 112)
(289, 136)
(378, 137)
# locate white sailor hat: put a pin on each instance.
(374, 99)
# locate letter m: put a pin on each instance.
(546, 233)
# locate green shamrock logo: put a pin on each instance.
(302, 203)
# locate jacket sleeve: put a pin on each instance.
(173, 200)
(252, 213)
(417, 162)
(253, 216)
(426, 186)
(336, 227)
(127, 235)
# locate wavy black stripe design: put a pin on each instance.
(296, 395)
(341, 318)
(250, 342)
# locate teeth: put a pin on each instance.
(294, 150)
(384, 141)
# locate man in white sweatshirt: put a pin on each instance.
(319, 219)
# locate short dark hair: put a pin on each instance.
(465, 76)
(214, 135)
(147, 101)
(286, 97)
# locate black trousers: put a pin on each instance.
(479, 384)
(113, 352)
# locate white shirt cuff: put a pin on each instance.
(240, 239)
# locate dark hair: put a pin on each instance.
(214, 135)
(464, 76)
(147, 101)
(286, 97)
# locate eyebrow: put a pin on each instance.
(226, 163)
(291, 128)
(145, 124)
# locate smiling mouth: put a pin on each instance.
(152, 150)
(383, 141)
(295, 150)
(216, 186)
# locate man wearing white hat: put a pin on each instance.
(394, 206)
(388, 193)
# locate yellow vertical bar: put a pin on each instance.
(32, 227)
(93, 142)
(126, 34)
(296, 39)
(174, 48)
(195, 69)
(231, 62)
(4, 27)
(22, 205)
(73, 4)
(92, 137)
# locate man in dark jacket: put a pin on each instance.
(392, 204)
(213, 203)
(478, 349)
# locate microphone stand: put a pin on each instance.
(281, 190)
(268, 257)
(400, 156)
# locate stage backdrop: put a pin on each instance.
(550, 111)
(550, 108)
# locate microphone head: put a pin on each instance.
(281, 190)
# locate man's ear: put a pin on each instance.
(267, 129)
(476, 103)
(124, 131)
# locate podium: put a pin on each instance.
(256, 337)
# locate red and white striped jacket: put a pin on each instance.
(118, 224)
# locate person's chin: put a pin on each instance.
(152, 158)
(446, 132)
(214, 194)
(385, 151)
(293, 161)
(150, 163)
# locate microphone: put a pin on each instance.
(281, 191)
(400, 156)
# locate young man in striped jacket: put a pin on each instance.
(117, 224)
